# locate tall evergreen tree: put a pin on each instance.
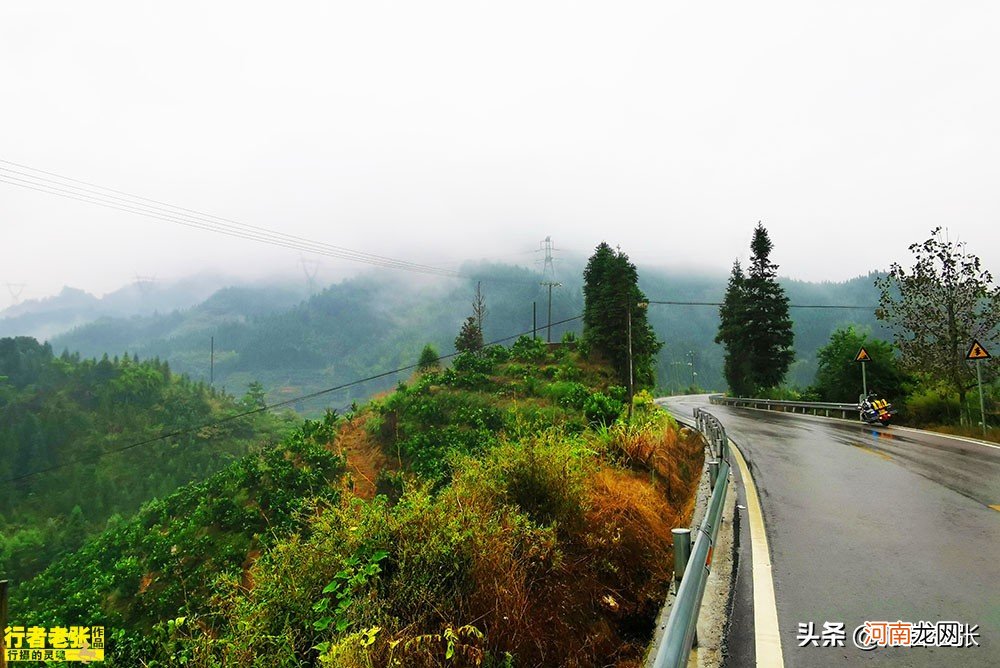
(611, 294)
(429, 359)
(767, 309)
(470, 338)
(732, 316)
(755, 328)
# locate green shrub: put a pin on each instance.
(568, 371)
(618, 393)
(931, 406)
(567, 394)
(527, 349)
(496, 354)
(472, 363)
(601, 409)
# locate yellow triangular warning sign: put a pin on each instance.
(977, 352)
(863, 356)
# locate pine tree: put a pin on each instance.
(768, 324)
(479, 310)
(429, 359)
(736, 361)
(470, 338)
(611, 293)
(754, 324)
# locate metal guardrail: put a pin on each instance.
(678, 637)
(814, 407)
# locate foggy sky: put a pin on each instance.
(445, 131)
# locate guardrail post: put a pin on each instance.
(682, 551)
(713, 472)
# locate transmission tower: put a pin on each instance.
(310, 268)
(15, 290)
(549, 267)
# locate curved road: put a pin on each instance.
(867, 524)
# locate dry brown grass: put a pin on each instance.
(588, 599)
(365, 458)
(674, 455)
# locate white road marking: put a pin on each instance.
(767, 641)
(965, 439)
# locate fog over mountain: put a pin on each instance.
(48, 317)
(296, 344)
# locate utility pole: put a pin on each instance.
(211, 365)
(631, 380)
(550, 284)
(534, 320)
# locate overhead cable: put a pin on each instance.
(820, 306)
(90, 193)
(230, 418)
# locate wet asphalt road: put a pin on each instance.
(867, 524)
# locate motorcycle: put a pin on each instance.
(875, 410)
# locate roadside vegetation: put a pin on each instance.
(513, 518)
(61, 417)
(520, 521)
(934, 310)
(500, 511)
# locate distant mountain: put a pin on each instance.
(379, 321)
(46, 318)
(350, 330)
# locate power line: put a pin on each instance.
(137, 200)
(230, 418)
(120, 200)
(820, 306)
(245, 232)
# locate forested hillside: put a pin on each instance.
(371, 324)
(50, 316)
(500, 512)
(60, 417)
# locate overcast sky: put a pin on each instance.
(444, 131)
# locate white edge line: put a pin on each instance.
(964, 439)
(767, 640)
